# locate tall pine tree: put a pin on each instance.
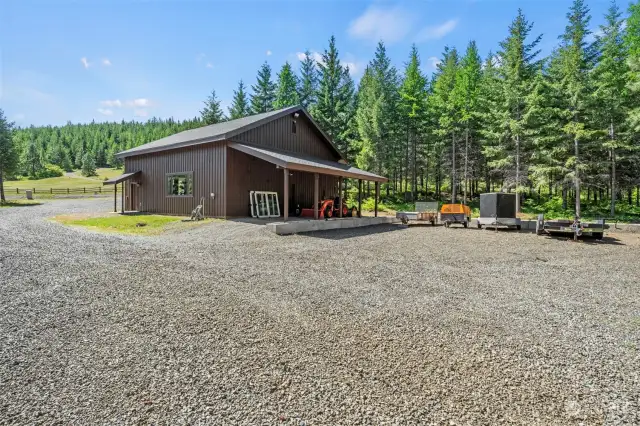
(211, 113)
(240, 105)
(263, 91)
(8, 153)
(308, 82)
(287, 88)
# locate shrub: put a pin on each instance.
(49, 171)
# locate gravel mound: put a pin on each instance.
(228, 324)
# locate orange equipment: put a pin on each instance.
(455, 213)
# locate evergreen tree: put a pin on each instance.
(32, 164)
(8, 153)
(446, 105)
(369, 121)
(518, 65)
(212, 113)
(632, 44)
(468, 86)
(575, 64)
(240, 105)
(263, 92)
(308, 82)
(88, 165)
(334, 109)
(287, 88)
(609, 80)
(412, 106)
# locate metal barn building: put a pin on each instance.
(282, 151)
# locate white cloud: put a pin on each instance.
(85, 62)
(269, 53)
(111, 104)
(209, 65)
(436, 32)
(377, 23)
(140, 113)
(106, 62)
(434, 62)
(140, 102)
(315, 55)
(104, 111)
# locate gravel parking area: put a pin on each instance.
(229, 324)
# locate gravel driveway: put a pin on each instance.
(228, 324)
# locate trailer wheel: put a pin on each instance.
(446, 224)
(598, 235)
(465, 224)
(479, 225)
(519, 227)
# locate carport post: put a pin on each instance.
(376, 198)
(115, 198)
(122, 198)
(340, 195)
(359, 197)
(316, 194)
(286, 194)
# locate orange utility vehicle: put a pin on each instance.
(455, 213)
(328, 209)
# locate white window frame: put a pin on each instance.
(256, 198)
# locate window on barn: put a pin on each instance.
(180, 184)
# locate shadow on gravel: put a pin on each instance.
(341, 234)
(14, 204)
(585, 240)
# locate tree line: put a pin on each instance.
(564, 125)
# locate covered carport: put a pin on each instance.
(297, 162)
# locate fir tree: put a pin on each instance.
(412, 105)
(287, 88)
(8, 153)
(263, 92)
(32, 163)
(468, 86)
(334, 109)
(240, 105)
(212, 113)
(518, 65)
(88, 165)
(610, 79)
(446, 104)
(308, 82)
(575, 65)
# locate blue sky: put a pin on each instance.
(111, 60)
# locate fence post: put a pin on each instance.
(51, 190)
(85, 190)
(67, 190)
(34, 190)
(17, 190)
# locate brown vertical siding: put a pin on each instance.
(208, 164)
(277, 134)
(246, 173)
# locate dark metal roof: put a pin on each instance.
(116, 180)
(220, 131)
(294, 161)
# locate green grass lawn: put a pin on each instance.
(19, 203)
(130, 224)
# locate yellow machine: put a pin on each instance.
(455, 213)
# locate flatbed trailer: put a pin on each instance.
(575, 227)
(426, 212)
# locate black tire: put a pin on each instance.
(479, 225)
(465, 224)
(519, 227)
(446, 224)
(328, 213)
(598, 235)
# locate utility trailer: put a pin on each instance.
(455, 213)
(498, 209)
(575, 227)
(426, 212)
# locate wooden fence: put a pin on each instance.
(58, 191)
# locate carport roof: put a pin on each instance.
(116, 180)
(294, 161)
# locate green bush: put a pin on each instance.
(49, 171)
